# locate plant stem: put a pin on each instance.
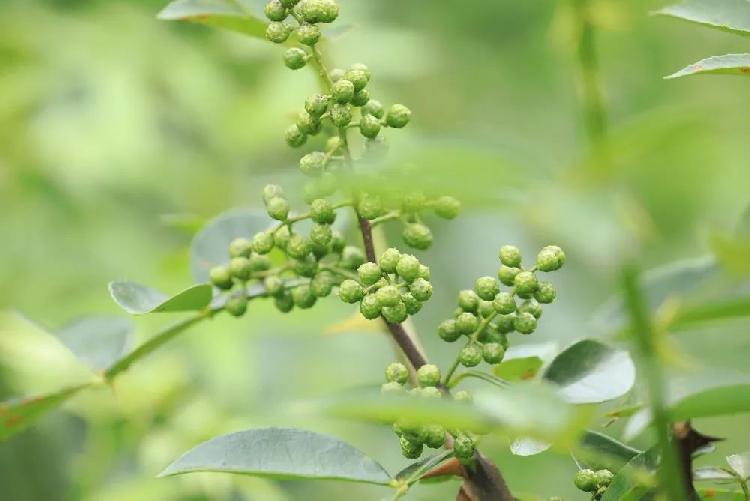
(483, 325)
(670, 475)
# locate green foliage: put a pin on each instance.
(224, 14)
(98, 341)
(139, 299)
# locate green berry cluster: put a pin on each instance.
(394, 287)
(487, 314)
(595, 482)
(308, 14)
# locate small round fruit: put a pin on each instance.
(389, 260)
(374, 108)
(294, 137)
(421, 289)
(295, 58)
(504, 303)
(303, 297)
(350, 291)
(410, 450)
(407, 267)
(369, 273)
(428, 375)
(369, 307)
(221, 277)
(308, 34)
(417, 235)
(546, 293)
(448, 331)
(398, 116)
(237, 305)
(397, 372)
(447, 207)
(486, 288)
(525, 323)
(603, 478)
(369, 126)
(468, 300)
(263, 242)
(493, 353)
(470, 355)
(550, 258)
(277, 32)
(526, 284)
(278, 208)
(342, 91)
(507, 274)
(388, 295)
(395, 314)
(434, 436)
(510, 256)
(240, 268)
(316, 105)
(585, 480)
(531, 306)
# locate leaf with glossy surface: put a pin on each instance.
(591, 372)
(18, 414)
(98, 341)
(225, 14)
(139, 299)
(727, 64)
(281, 452)
(727, 15)
(740, 464)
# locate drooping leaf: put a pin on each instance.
(727, 15)
(226, 14)
(210, 246)
(599, 451)
(18, 414)
(98, 341)
(151, 345)
(281, 452)
(417, 469)
(740, 464)
(635, 479)
(711, 474)
(138, 299)
(590, 372)
(727, 64)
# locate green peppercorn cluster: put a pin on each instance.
(393, 288)
(594, 482)
(487, 314)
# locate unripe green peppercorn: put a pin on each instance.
(343, 91)
(412, 304)
(428, 375)
(273, 285)
(352, 257)
(305, 267)
(421, 289)
(485, 309)
(240, 247)
(278, 208)
(505, 323)
(468, 300)
(336, 74)
(284, 302)
(493, 353)
(308, 34)
(350, 291)
(434, 436)
(361, 67)
(448, 331)
(466, 323)
(318, 11)
(316, 105)
(388, 295)
(603, 478)
(369, 273)
(463, 448)
(341, 114)
(369, 307)
(394, 314)
(277, 32)
(525, 323)
(319, 251)
(338, 243)
(374, 108)
(397, 372)
(462, 396)
(510, 256)
(289, 3)
(410, 450)
(470, 355)
(424, 272)
(370, 206)
(298, 246)
(303, 297)
(504, 303)
(369, 126)
(392, 388)
(240, 268)
(262, 242)
(237, 305)
(313, 163)
(281, 237)
(585, 480)
(407, 267)
(389, 260)
(221, 277)
(550, 258)
(271, 191)
(361, 98)
(526, 284)
(295, 58)
(417, 235)
(322, 212)
(447, 207)
(398, 116)
(294, 137)
(414, 201)
(321, 234)
(546, 293)
(507, 274)
(358, 78)
(275, 11)
(486, 288)
(308, 124)
(531, 306)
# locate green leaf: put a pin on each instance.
(489, 378)
(635, 479)
(728, 64)
(527, 446)
(599, 451)
(713, 311)
(281, 452)
(740, 464)
(98, 341)
(732, 252)
(727, 15)
(591, 372)
(711, 474)
(18, 414)
(413, 472)
(210, 246)
(225, 14)
(713, 494)
(518, 369)
(138, 299)
(152, 344)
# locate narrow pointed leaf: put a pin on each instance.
(727, 15)
(18, 414)
(226, 14)
(98, 341)
(711, 474)
(728, 64)
(740, 464)
(417, 469)
(590, 372)
(139, 299)
(281, 452)
(599, 451)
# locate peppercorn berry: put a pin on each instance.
(321, 234)
(470, 355)
(486, 288)
(275, 11)
(428, 375)
(468, 300)
(236, 305)
(396, 372)
(485, 309)
(273, 285)
(295, 58)
(374, 108)
(531, 306)
(370, 206)
(284, 302)
(352, 257)
(350, 291)
(410, 450)
(303, 297)
(466, 323)
(308, 123)
(388, 295)
(398, 116)
(240, 268)
(510, 256)
(361, 98)
(341, 114)
(277, 32)
(434, 436)
(412, 304)
(505, 324)
(448, 331)
(389, 260)
(278, 208)
(504, 303)
(463, 448)
(240, 247)
(313, 163)
(394, 314)
(525, 323)
(294, 137)
(369, 307)
(603, 478)
(493, 353)
(262, 242)
(550, 258)
(507, 274)
(421, 289)
(585, 480)
(447, 207)
(546, 293)
(298, 246)
(525, 283)
(343, 91)
(369, 126)
(308, 34)
(407, 267)
(417, 235)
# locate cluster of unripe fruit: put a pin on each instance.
(413, 437)
(486, 315)
(595, 482)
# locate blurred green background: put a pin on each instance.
(114, 125)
